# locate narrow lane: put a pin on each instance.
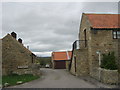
(56, 78)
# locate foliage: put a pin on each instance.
(109, 61)
(44, 60)
(13, 78)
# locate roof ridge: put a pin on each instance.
(17, 42)
(60, 51)
(61, 55)
(101, 13)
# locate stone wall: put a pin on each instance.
(97, 40)
(108, 76)
(101, 41)
(81, 61)
(67, 64)
(14, 55)
(35, 68)
(72, 68)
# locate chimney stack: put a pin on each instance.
(20, 40)
(13, 34)
(27, 47)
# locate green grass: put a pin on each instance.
(12, 79)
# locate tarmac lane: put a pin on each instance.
(56, 78)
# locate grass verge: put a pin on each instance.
(14, 78)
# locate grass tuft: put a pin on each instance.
(14, 78)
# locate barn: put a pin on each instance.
(60, 60)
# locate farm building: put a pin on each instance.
(60, 60)
(15, 57)
(99, 34)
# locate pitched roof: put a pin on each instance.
(61, 55)
(104, 20)
(16, 42)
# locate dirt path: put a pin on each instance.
(56, 78)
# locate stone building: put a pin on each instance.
(60, 60)
(15, 57)
(98, 34)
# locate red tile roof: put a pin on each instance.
(61, 55)
(104, 20)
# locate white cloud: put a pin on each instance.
(43, 54)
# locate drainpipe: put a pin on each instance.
(99, 58)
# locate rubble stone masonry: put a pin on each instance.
(97, 40)
(14, 55)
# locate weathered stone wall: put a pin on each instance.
(72, 68)
(81, 61)
(81, 55)
(67, 64)
(84, 51)
(97, 40)
(108, 76)
(14, 54)
(35, 68)
(101, 41)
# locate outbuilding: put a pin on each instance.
(60, 60)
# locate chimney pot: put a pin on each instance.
(20, 40)
(27, 47)
(13, 34)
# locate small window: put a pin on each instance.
(85, 36)
(116, 34)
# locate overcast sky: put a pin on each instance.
(49, 26)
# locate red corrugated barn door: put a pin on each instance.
(60, 64)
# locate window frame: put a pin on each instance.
(115, 34)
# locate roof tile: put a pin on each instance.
(61, 55)
(104, 20)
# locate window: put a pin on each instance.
(116, 34)
(85, 37)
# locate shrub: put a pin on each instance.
(109, 61)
